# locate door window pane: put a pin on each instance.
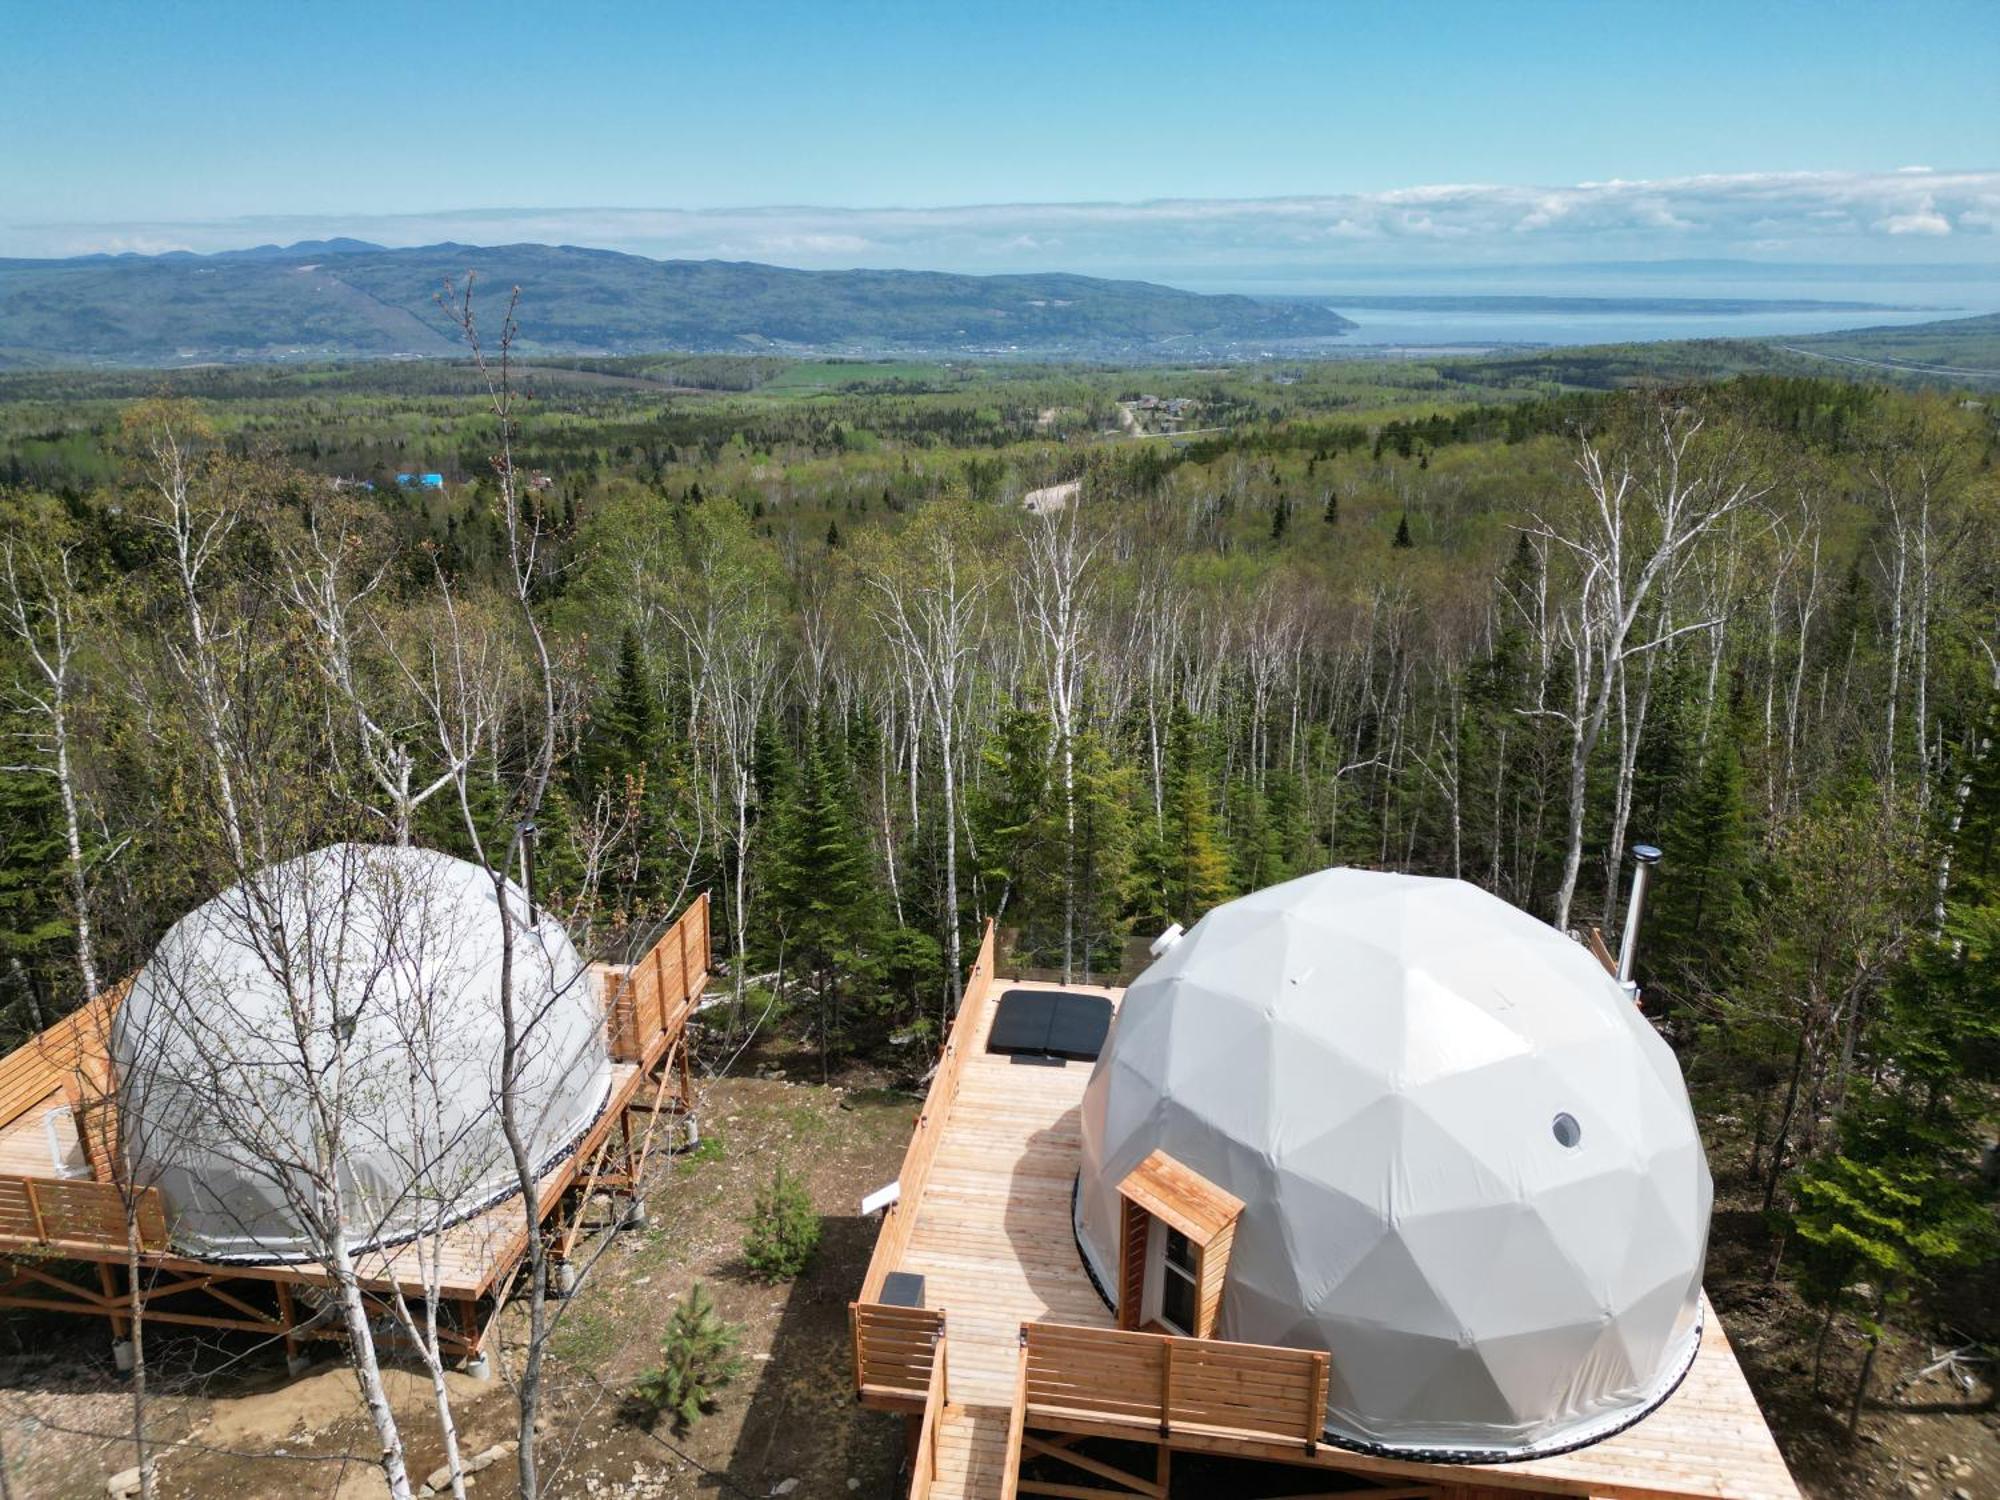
(1177, 1282)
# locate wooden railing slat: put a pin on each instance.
(1163, 1383)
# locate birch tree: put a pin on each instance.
(1055, 596)
(932, 611)
(1648, 502)
(39, 608)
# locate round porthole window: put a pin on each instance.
(1568, 1132)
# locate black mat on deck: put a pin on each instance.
(1050, 1023)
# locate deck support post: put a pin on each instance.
(297, 1361)
(107, 1281)
(473, 1329)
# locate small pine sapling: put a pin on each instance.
(697, 1358)
(783, 1229)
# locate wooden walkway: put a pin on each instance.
(993, 1242)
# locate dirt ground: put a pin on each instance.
(233, 1425)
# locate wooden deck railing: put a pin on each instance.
(900, 1220)
(924, 1464)
(897, 1350)
(75, 1212)
(656, 993)
(1103, 1380)
(69, 1057)
(1017, 1425)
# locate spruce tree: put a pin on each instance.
(1105, 849)
(823, 894)
(624, 727)
(35, 922)
(1010, 810)
(1403, 533)
(1186, 869)
(1701, 911)
(1331, 514)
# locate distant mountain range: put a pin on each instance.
(344, 298)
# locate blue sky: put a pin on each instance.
(1775, 129)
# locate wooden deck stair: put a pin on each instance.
(971, 1453)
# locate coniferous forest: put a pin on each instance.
(793, 638)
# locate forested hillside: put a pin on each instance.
(806, 650)
(348, 299)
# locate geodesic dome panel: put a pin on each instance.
(1469, 1165)
(337, 1019)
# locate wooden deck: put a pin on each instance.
(992, 1236)
(59, 1202)
(985, 1219)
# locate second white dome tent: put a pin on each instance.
(1467, 1165)
(340, 1013)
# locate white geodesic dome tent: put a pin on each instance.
(362, 973)
(1469, 1167)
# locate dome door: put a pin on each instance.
(1174, 1252)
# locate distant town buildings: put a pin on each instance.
(420, 481)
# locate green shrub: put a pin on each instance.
(784, 1230)
(697, 1358)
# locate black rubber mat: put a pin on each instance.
(1050, 1023)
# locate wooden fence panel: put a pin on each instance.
(56, 1058)
(656, 993)
(895, 1348)
(1163, 1383)
(52, 1210)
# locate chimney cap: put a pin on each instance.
(1646, 854)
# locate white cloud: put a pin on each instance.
(1821, 216)
(1924, 219)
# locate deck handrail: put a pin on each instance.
(76, 1211)
(900, 1219)
(924, 1464)
(896, 1350)
(653, 996)
(1156, 1384)
(1017, 1425)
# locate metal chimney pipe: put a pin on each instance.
(526, 833)
(1644, 857)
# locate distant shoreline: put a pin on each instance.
(1668, 306)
